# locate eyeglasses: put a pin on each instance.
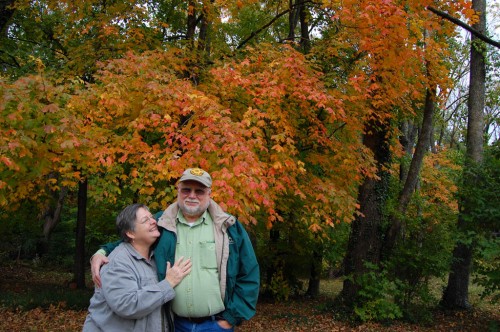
(197, 192)
(146, 219)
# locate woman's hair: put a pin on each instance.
(125, 221)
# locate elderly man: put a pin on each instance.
(222, 289)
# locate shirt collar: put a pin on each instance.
(201, 219)
(135, 254)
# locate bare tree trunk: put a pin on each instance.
(456, 294)
(81, 221)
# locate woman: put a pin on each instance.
(131, 297)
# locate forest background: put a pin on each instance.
(357, 140)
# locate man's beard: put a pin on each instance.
(193, 211)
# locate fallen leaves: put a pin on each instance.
(297, 315)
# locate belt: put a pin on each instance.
(197, 320)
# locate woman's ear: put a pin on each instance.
(130, 235)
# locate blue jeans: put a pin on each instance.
(184, 325)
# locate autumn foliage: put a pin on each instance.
(274, 99)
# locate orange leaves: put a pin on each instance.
(39, 140)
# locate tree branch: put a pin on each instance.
(255, 33)
(465, 26)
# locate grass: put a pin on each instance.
(26, 287)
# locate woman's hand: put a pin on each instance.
(178, 271)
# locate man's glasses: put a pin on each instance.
(197, 192)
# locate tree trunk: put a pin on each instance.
(81, 220)
(456, 294)
(413, 172)
(408, 135)
(191, 23)
(305, 42)
(315, 273)
(365, 239)
(204, 40)
(293, 18)
(274, 236)
(52, 214)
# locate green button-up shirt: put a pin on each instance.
(198, 294)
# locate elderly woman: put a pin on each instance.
(131, 297)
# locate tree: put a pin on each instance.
(456, 294)
(124, 95)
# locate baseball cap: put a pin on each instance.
(198, 175)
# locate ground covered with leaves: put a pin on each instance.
(299, 314)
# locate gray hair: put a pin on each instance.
(125, 221)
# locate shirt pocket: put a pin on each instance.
(208, 258)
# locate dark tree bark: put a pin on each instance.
(305, 42)
(81, 221)
(191, 23)
(456, 294)
(274, 235)
(364, 240)
(315, 273)
(293, 18)
(204, 40)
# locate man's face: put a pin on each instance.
(193, 198)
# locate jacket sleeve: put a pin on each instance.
(243, 278)
(109, 247)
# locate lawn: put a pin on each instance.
(37, 299)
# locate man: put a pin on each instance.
(222, 289)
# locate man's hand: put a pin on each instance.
(96, 262)
(178, 271)
(224, 324)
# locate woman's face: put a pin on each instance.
(146, 229)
